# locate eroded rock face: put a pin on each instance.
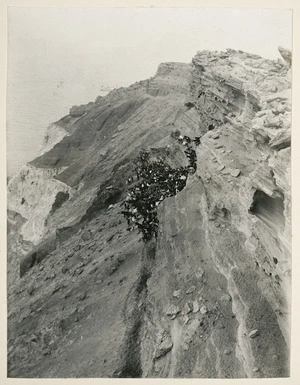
(235, 225)
(210, 297)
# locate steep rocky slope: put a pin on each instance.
(209, 296)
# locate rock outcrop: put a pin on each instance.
(207, 293)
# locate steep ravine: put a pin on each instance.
(207, 295)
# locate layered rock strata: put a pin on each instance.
(210, 296)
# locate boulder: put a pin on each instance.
(176, 294)
(187, 308)
(235, 173)
(199, 273)
(274, 122)
(190, 290)
(196, 307)
(203, 310)
(86, 235)
(163, 348)
(254, 333)
(173, 310)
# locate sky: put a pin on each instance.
(58, 57)
(121, 45)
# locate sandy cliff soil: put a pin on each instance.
(210, 296)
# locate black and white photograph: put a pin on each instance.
(149, 192)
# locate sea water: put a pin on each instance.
(32, 104)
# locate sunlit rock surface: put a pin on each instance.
(210, 297)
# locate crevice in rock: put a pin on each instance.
(283, 145)
(134, 311)
(226, 213)
(269, 210)
(132, 367)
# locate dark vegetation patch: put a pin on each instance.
(154, 181)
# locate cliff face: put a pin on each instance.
(210, 297)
